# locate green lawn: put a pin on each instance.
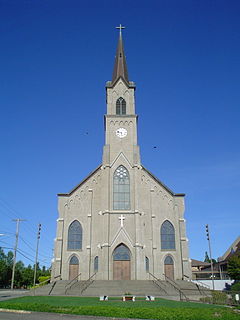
(160, 309)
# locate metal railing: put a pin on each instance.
(176, 287)
(38, 285)
(54, 283)
(85, 284)
(158, 283)
(72, 283)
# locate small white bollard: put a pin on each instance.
(150, 298)
(103, 298)
(237, 297)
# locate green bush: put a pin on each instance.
(41, 280)
(235, 287)
(217, 297)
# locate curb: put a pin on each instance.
(14, 311)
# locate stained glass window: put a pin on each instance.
(121, 189)
(120, 106)
(168, 260)
(147, 264)
(96, 264)
(74, 260)
(75, 236)
(167, 236)
(121, 253)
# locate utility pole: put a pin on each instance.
(15, 250)
(210, 253)
(35, 269)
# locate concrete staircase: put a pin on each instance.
(178, 290)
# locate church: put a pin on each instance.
(121, 222)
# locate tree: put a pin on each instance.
(6, 262)
(207, 259)
(27, 276)
(234, 267)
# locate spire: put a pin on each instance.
(120, 66)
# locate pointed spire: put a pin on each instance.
(120, 66)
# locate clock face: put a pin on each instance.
(121, 132)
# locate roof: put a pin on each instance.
(235, 246)
(163, 185)
(120, 65)
(79, 185)
(198, 263)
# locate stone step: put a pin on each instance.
(121, 287)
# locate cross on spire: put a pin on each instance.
(120, 29)
(121, 218)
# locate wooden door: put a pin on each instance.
(73, 271)
(121, 270)
(169, 271)
(73, 267)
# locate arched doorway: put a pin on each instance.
(169, 267)
(73, 268)
(121, 263)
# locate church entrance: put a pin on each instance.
(73, 268)
(121, 263)
(169, 267)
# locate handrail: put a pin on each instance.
(71, 283)
(204, 285)
(57, 276)
(87, 283)
(40, 283)
(175, 285)
(157, 282)
(52, 287)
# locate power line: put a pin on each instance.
(31, 248)
(15, 250)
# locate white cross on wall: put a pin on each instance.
(121, 218)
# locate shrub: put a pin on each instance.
(41, 280)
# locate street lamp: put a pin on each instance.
(210, 253)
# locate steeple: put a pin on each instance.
(120, 66)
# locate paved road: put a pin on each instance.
(6, 294)
(50, 316)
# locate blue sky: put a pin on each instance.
(55, 58)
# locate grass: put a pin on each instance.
(160, 309)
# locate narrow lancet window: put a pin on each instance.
(75, 236)
(121, 189)
(147, 264)
(167, 236)
(120, 106)
(96, 264)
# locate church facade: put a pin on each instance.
(121, 222)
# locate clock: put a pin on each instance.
(121, 132)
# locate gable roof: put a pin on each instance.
(235, 246)
(79, 185)
(198, 263)
(163, 185)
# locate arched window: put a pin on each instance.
(167, 236)
(168, 260)
(169, 267)
(120, 106)
(96, 264)
(74, 261)
(147, 264)
(121, 253)
(121, 189)
(75, 236)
